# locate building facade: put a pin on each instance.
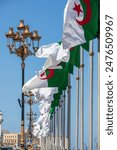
(11, 140)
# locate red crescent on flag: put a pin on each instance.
(88, 14)
(51, 74)
(72, 48)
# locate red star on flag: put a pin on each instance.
(77, 8)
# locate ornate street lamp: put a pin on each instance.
(31, 117)
(19, 44)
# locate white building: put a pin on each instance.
(11, 140)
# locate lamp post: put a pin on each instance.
(19, 44)
(31, 117)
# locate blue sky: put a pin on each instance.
(46, 17)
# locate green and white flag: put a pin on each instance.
(80, 22)
(34, 83)
(51, 52)
(45, 107)
(49, 78)
(44, 93)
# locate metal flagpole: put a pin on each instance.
(51, 139)
(99, 79)
(51, 132)
(77, 106)
(56, 128)
(69, 113)
(64, 118)
(81, 98)
(61, 122)
(57, 125)
(90, 138)
(54, 125)
(98, 94)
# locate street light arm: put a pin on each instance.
(12, 52)
(19, 102)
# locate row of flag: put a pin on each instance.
(81, 24)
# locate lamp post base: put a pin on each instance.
(30, 147)
(22, 136)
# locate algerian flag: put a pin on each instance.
(42, 125)
(44, 93)
(45, 108)
(34, 83)
(36, 132)
(51, 52)
(49, 78)
(42, 118)
(43, 132)
(46, 120)
(54, 104)
(80, 22)
(36, 127)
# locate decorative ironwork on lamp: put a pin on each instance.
(10, 35)
(23, 39)
(35, 40)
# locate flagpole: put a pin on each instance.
(54, 125)
(69, 113)
(98, 145)
(90, 138)
(49, 136)
(61, 124)
(64, 118)
(56, 128)
(51, 131)
(81, 99)
(77, 107)
(57, 125)
(98, 94)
